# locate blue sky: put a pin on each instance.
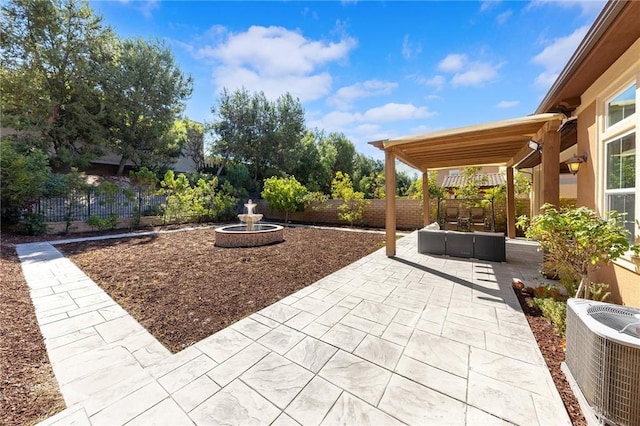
(368, 69)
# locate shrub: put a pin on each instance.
(103, 223)
(23, 177)
(555, 311)
(578, 241)
(284, 194)
(32, 224)
(201, 202)
(354, 203)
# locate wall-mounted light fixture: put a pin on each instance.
(574, 162)
(533, 145)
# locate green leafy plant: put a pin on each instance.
(354, 203)
(555, 311)
(32, 224)
(284, 194)
(204, 201)
(103, 223)
(579, 241)
(599, 292)
(24, 174)
(179, 197)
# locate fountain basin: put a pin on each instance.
(242, 236)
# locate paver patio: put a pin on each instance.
(415, 339)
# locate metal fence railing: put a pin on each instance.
(81, 205)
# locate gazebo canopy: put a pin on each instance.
(500, 142)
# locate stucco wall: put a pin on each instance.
(624, 281)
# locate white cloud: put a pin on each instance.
(145, 7)
(587, 7)
(436, 81)
(408, 49)
(348, 122)
(554, 57)
(507, 104)
(346, 95)
(504, 17)
(488, 4)
(476, 74)
(305, 88)
(453, 62)
(396, 112)
(274, 60)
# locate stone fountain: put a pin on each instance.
(250, 233)
(250, 218)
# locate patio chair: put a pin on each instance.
(477, 218)
(451, 218)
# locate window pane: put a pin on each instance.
(622, 106)
(625, 203)
(621, 162)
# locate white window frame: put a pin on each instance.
(611, 98)
(610, 133)
(621, 191)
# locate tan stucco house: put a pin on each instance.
(590, 115)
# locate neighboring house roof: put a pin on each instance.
(484, 180)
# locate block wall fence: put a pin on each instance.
(408, 216)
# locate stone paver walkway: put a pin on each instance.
(415, 339)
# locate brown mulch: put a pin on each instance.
(144, 275)
(28, 389)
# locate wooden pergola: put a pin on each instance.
(530, 139)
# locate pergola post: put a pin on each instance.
(550, 171)
(390, 201)
(511, 205)
(426, 210)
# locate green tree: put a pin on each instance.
(345, 153)
(403, 183)
(23, 177)
(53, 55)
(284, 194)
(307, 169)
(579, 241)
(264, 135)
(354, 203)
(328, 155)
(367, 174)
(435, 191)
(472, 180)
(373, 186)
(190, 137)
(145, 90)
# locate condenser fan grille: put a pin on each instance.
(623, 320)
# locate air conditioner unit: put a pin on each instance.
(603, 358)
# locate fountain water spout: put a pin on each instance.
(250, 218)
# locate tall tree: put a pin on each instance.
(52, 54)
(345, 153)
(146, 91)
(264, 134)
(190, 136)
(289, 131)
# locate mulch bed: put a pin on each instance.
(28, 389)
(144, 275)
